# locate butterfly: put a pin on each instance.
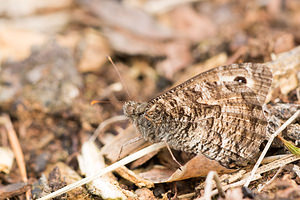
(217, 113)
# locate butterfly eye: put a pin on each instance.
(240, 79)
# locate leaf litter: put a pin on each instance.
(53, 64)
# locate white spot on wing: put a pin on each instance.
(250, 82)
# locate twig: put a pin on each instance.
(186, 196)
(289, 121)
(105, 123)
(289, 158)
(16, 147)
(212, 175)
(110, 168)
(272, 179)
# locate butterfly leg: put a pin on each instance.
(131, 141)
(172, 155)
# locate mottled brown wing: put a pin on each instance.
(258, 80)
(219, 112)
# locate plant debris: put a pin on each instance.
(54, 63)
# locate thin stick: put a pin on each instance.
(105, 123)
(288, 122)
(15, 144)
(120, 77)
(272, 179)
(124, 161)
(265, 168)
(172, 155)
(212, 175)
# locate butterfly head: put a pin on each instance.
(134, 109)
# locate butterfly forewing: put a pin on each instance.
(217, 113)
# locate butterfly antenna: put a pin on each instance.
(93, 102)
(120, 77)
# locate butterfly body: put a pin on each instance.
(217, 113)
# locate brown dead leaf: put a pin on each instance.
(158, 174)
(145, 194)
(116, 14)
(284, 42)
(16, 44)
(178, 57)
(112, 150)
(68, 175)
(190, 24)
(142, 160)
(283, 188)
(126, 42)
(69, 40)
(198, 166)
(15, 189)
(93, 51)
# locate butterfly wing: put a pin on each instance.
(218, 113)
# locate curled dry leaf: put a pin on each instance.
(198, 166)
(112, 149)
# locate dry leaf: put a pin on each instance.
(16, 44)
(116, 14)
(198, 166)
(94, 50)
(47, 23)
(19, 8)
(90, 162)
(112, 150)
